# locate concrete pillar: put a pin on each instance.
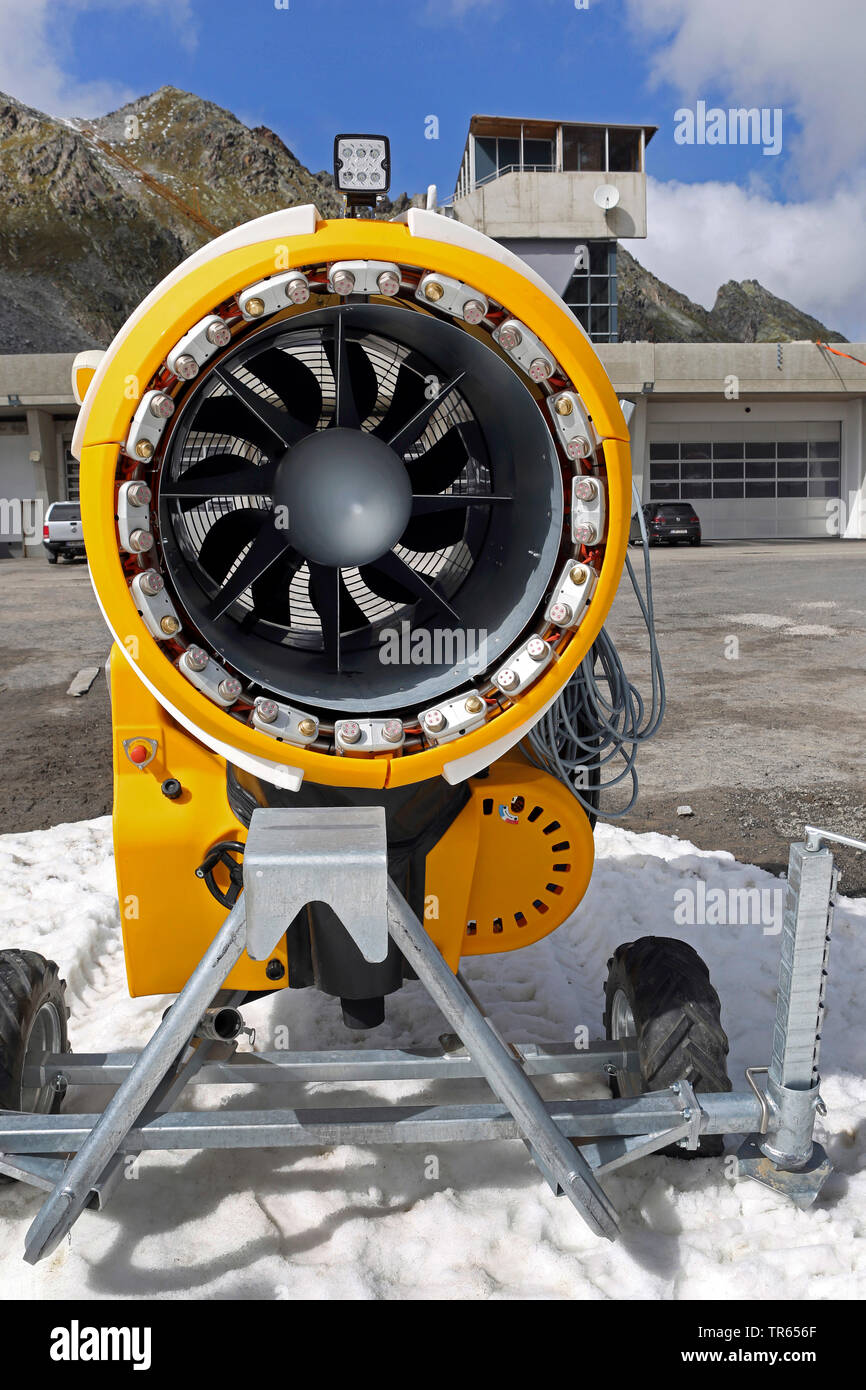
(852, 522)
(42, 429)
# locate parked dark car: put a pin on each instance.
(667, 521)
(61, 532)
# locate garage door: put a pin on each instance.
(776, 480)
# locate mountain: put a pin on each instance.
(94, 213)
(744, 312)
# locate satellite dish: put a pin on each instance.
(606, 196)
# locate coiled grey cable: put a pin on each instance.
(601, 718)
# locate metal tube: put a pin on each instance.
(502, 1072)
(792, 1084)
(371, 1064)
(724, 1113)
(68, 1199)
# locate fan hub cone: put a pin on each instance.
(344, 496)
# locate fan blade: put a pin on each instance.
(219, 475)
(272, 591)
(442, 464)
(268, 545)
(223, 415)
(417, 423)
(293, 381)
(283, 426)
(408, 398)
(355, 381)
(391, 578)
(227, 537)
(325, 598)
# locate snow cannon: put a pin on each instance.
(356, 501)
(355, 496)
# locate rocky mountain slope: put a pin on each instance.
(744, 312)
(82, 237)
(94, 213)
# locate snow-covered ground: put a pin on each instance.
(353, 1223)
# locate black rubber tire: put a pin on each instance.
(677, 1017)
(27, 983)
(52, 558)
(696, 540)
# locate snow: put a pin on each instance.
(353, 1223)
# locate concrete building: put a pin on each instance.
(560, 195)
(37, 417)
(765, 440)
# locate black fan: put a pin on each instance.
(328, 478)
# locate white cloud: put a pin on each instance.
(36, 52)
(810, 253)
(802, 55)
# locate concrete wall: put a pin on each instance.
(738, 386)
(526, 204)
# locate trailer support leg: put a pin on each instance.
(560, 1162)
(785, 1156)
(62, 1209)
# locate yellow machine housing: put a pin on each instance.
(516, 859)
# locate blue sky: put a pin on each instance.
(715, 212)
(327, 65)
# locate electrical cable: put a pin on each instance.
(600, 718)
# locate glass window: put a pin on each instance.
(727, 468)
(794, 451)
(664, 472)
(599, 289)
(578, 289)
(666, 491)
(600, 320)
(664, 451)
(697, 489)
(508, 153)
(760, 451)
(728, 489)
(792, 468)
(696, 468)
(727, 451)
(485, 159)
(760, 469)
(823, 487)
(602, 257)
(695, 451)
(759, 489)
(582, 148)
(823, 468)
(538, 153)
(824, 449)
(792, 489)
(623, 147)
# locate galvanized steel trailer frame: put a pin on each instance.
(296, 856)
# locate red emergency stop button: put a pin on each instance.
(138, 753)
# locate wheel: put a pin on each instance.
(52, 558)
(695, 540)
(658, 990)
(33, 1016)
